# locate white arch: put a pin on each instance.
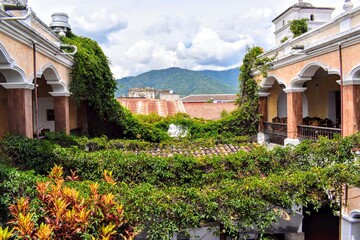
(8, 67)
(53, 78)
(5, 59)
(269, 82)
(50, 72)
(308, 71)
(14, 75)
(354, 74)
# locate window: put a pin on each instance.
(283, 22)
(312, 17)
(50, 116)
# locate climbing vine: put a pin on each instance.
(248, 98)
(93, 83)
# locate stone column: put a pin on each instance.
(20, 109)
(263, 110)
(61, 113)
(294, 114)
(351, 108)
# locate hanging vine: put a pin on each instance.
(93, 83)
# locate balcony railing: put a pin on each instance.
(312, 132)
(276, 132)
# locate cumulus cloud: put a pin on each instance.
(142, 35)
(100, 20)
(207, 48)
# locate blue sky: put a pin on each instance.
(140, 35)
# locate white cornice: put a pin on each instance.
(349, 82)
(60, 94)
(19, 85)
(262, 94)
(24, 34)
(327, 45)
(294, 90)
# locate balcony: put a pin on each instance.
(277, 132)
(313, 132)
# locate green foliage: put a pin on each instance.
(298, 27)
(247, 114)
(65, 213)
(165, 195)
(93, 83)
(284, 39)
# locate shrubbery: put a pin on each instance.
(62, 212)
(164, 195)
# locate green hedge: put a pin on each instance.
(164, 195)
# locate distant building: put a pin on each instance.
(215, 98)
(206, 106)
(152, 93)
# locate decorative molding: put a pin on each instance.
(264, 94)
(349, 82)
(299, 81)
(60, 94)
(295, 90)
(18, 85)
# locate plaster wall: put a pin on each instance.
(275, 92)
(23, 55)
(317, 93)
(320, 34)
(353, 199)
(350, 59)
(42, 30)
(290, 72)
(355, 21)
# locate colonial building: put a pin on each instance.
(313, 87)
(34, 73)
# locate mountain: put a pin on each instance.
(182, 81)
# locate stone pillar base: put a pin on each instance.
(294, 236)
(261, 138)
(288, 141)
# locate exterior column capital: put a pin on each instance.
(262, 94)
(18, 85)
(349, 82)
(295, 90)
(61, 94)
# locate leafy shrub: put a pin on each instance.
(63, 213)
(299, 26)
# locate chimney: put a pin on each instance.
(60, 23)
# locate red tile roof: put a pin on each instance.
(208, 111)
(147, 106)
(210, 97)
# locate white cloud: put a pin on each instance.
(101, 20)
(142, 35)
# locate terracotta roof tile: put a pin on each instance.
(208, 97)
(208, 111)
(147, 106)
